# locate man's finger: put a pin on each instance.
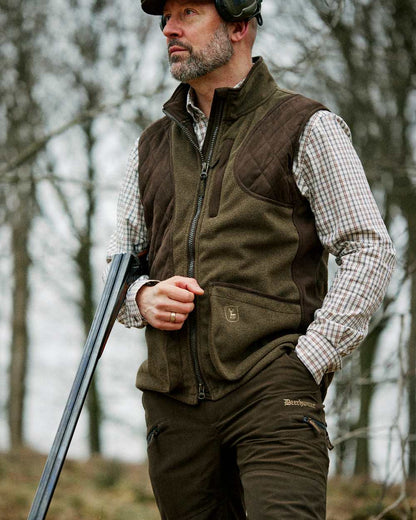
(189, 284)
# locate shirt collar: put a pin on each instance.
(195, 112)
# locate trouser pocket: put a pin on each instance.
(320, 428)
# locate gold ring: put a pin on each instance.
(172, 317)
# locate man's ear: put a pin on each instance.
(238, 30)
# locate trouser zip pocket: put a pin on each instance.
(153, 433)
(320, 429)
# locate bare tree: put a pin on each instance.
(100, 74)
(377, 49)
(101, 79)
(22, 121)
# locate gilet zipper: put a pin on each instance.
(203, 390)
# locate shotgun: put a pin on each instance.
(124, 268)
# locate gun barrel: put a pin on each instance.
(106, 313)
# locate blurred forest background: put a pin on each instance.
(80, 79)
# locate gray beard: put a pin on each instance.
(217, 53)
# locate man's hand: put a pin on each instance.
(167, 304)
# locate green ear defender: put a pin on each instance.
(234, 11)
(237, 10)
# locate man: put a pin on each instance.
(243, 190)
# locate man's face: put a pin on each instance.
(197, 38)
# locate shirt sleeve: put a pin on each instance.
(330, 175)
(130, 236)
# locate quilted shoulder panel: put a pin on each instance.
(263, 165)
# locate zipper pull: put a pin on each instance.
(329, 444)
(154, 432)
(320, 429)
(312, 423)
(204, 172)
(201, 392)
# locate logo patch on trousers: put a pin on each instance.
(231, 313)
(299, 402)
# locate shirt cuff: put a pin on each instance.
(318, 355)
(131, 303)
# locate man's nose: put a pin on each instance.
(172, 28)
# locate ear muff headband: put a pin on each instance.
(234, 11)
(237, 10)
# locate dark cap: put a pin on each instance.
(153, 6)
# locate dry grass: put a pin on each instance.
(101, 489)
(361, 499)
(97, 489)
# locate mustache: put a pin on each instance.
(178, 43)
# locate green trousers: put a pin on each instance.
(259, 453)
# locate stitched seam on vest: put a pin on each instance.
(253, 291)
(300, 287)
(306, 309)
(262, 197)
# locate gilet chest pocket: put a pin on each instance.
(218, 174)
(245, 325)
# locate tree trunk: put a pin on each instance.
(367, 353)
(87, 305)
(17, 374)
(87, 313)
(23, 122)
(411, 350)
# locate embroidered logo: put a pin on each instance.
(299, 402)
(231, 314)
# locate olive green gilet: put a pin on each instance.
(232, 217)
